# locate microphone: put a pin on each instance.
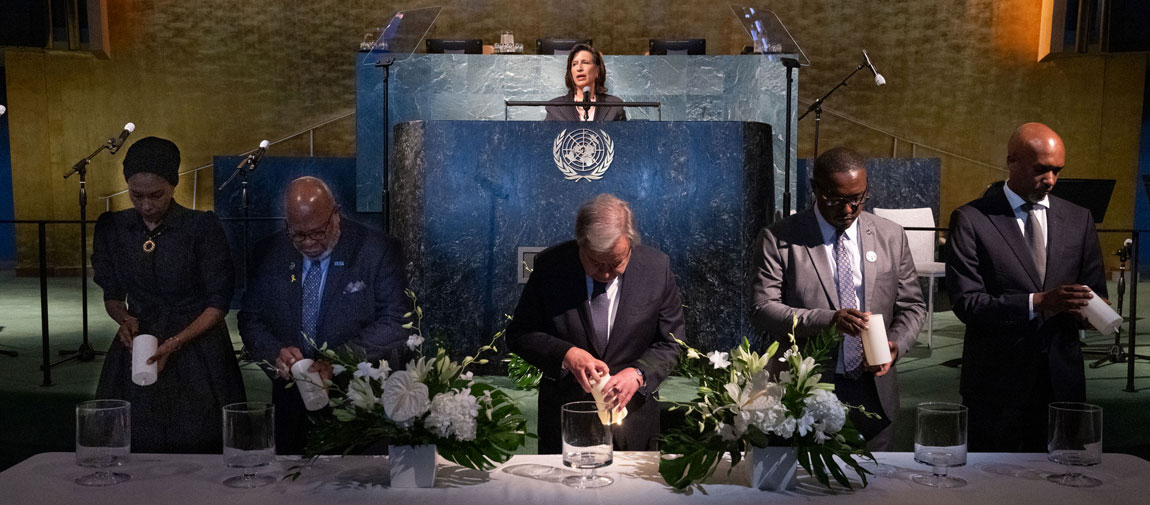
(253, 159)
(879, 80)
(586, 101)
(1124, 251)
(118, 142)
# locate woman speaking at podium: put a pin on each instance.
(585, 71)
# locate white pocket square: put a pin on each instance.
(354, 287)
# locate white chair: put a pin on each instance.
(922, 246)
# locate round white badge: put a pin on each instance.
(871, 256)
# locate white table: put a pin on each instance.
(179, 479)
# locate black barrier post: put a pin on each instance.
(46, 367)
(1133, 316)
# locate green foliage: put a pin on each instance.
(525, 375)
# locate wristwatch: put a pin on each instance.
(642, 376)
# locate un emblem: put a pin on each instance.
(583, 154)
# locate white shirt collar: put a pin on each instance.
(1017, 201)
(829, 231)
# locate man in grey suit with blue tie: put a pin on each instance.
(328, 278)
(836, 265)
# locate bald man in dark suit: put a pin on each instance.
(1022, 268)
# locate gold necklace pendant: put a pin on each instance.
(149, 246)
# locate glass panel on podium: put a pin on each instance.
(402, 35)
(769, 36)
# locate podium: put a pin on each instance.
(474, 200)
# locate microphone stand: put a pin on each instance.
(385, 62)
(85, 352)
(1116, 354)
(243, 169)
(791, 64)
(817, 105)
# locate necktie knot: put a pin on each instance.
(598, 288)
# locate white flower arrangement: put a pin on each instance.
(740, 405)
(431, 401)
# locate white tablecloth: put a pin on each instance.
(179, 479)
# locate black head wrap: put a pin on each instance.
(153, 155)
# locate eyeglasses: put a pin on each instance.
(314, 235)
(837, 202)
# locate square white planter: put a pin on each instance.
(412, 465)
(773, 468)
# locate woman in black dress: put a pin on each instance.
(166, 271)
(585, 69)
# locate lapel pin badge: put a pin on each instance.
(339, 263)
(871, 256)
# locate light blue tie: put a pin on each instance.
(844, 279)
(311, 301)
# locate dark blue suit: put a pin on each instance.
(1012, 366)
(362, 307)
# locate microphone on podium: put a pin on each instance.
(879, 80)
(586, 101)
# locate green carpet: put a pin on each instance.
(37, 419)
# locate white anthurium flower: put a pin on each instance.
(693, 354)
(414, 341)
(404, 398)
(719, 360)
(360, 393)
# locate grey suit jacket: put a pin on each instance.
(792, 277)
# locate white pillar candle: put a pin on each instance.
(144, 347)
(309, 384)
(874, 341)
(1101, 316)
(606, 416)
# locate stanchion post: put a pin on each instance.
(46, 367)
(1130, 357)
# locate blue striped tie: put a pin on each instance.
(844, 279)
(311, 301)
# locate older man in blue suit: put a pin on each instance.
(330, 279)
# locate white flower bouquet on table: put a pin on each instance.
(740, 405)
(433, 401)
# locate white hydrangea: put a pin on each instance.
(827, 411)
(453, 415)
